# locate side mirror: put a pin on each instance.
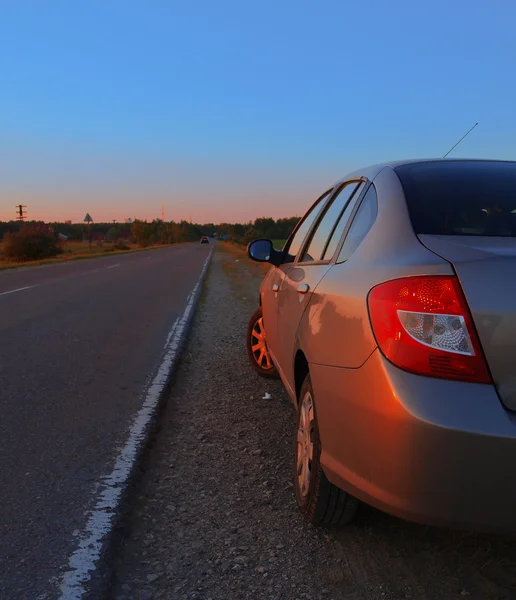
(260, 250)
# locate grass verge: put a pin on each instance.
(77, 251)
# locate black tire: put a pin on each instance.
(321, 503)
(261, 362)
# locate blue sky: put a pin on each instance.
(230, 110)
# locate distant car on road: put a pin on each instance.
(390, 316)
(205, 240)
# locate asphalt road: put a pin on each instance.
(79, 343)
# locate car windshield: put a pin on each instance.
(461, 197)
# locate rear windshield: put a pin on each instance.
(461, 197)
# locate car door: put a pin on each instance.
(313, 262)
(332, 331)
(273, 281)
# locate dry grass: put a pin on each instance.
(74, 250)
(240, 254)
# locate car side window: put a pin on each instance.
(341, 224)
(296, 241)
(362, 223)
(325, 227)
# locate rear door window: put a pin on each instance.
(295, 243)
(461, 197)
(325, 228)
(342, 223)
(362, 223)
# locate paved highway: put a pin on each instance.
(79, 343)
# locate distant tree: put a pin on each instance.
(266, 227)
(9, 227)
(138, 231)
(114, 233)
(31, 243)
(285, 227)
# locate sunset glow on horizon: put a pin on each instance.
(219, 198)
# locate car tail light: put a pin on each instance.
(423, 325)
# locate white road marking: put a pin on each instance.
(113, 266)
(171, 332)
(84, 560)
(28, 287)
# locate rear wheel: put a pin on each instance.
(320, 502)
(256, 344)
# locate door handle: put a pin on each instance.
(275, 287)
(303, 288)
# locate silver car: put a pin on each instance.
(390, 316)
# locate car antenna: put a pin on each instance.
(466, 134)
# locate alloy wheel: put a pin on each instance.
(259, 346)
(305, 445)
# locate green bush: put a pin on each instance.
(120, 245)
(28, 244)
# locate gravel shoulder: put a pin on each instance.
(214, 513)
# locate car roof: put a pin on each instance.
(372, 171)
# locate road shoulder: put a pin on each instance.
(215, 514)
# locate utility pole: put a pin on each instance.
(21, 212)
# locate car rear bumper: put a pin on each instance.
(427, 450)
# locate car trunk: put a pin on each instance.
(486, 268)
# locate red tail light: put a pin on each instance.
(423, 325)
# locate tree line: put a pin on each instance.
(154, 232)
(264, 227)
